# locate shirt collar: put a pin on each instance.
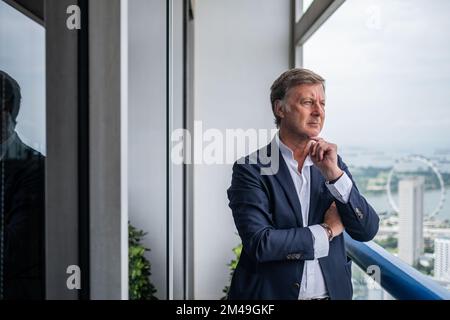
(288, 154)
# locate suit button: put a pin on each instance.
(359, 213)
(297, 285)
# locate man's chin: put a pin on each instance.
(308, 134)
(313, 133)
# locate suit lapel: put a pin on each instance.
(316, 188)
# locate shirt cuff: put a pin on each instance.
(341, 189)
(321, 242)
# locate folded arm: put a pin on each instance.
(360, 220)
(249, 202)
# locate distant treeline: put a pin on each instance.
(368, 177)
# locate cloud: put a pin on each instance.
(382, 80)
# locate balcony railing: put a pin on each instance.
(399, 279)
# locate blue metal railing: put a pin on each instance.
(401, 280)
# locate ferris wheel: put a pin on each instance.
(433, 167)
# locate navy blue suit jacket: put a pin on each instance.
(276, 242)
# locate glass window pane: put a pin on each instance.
(387, 66)
(22, 98)
(306, 4)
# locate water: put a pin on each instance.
(380, 203)
(364, 157)
(384, 159)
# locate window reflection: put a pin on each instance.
(22, 163)
(22, 203)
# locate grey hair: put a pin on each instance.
(289, 80)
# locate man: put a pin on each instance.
(291, 222)
(21, 203)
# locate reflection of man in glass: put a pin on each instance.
(21, 204)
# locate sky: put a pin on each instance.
(386, 62)
(22, 56)
(387, 67)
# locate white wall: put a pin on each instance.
(147, 130)
(241, 47)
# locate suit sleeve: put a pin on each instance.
(249, 202)
(360, 220)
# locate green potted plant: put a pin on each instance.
(140, 287)
(232, 266)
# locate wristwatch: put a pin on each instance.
(328, 230)
(335, 180)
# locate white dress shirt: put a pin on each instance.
(313, 284)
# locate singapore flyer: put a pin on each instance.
(432, 166)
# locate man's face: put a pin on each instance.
(303, 113)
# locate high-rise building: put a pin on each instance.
(410, 237)
(442, 259)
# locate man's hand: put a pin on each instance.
(333, 220)
(324, 156)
